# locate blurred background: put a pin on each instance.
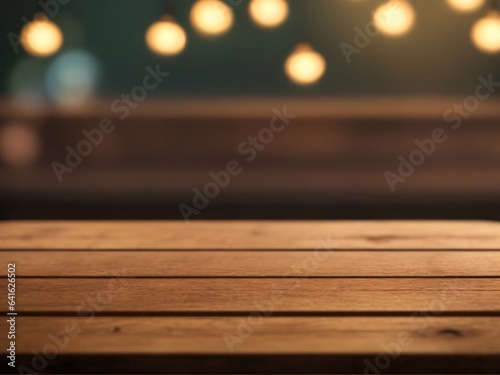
(361, 80)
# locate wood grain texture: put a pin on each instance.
(162, 293)
(75, 296)
(322, 263)
(253, 235)
(272, 335)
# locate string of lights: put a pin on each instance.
(393, 18)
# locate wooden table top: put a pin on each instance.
(253, 296)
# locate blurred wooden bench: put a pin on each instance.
(254, 297)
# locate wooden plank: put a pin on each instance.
(212, 295)
(373, 108)
(272, 335)
(324, 263)
(446, 181)
(215, 235)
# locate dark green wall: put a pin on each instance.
(436, 58)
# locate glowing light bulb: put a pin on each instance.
(166, 37)
(41, 37)
(465, 6)
(305, 66)
(394, 18)
(211, 17)
(486, 33)
(268, 13)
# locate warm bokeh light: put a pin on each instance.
(269, 13)
(394, 18)
(166, 37)
(466, 5)
(19, 144)
(211, 17)
(305, 66)
(41, 37)
(486, 33)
